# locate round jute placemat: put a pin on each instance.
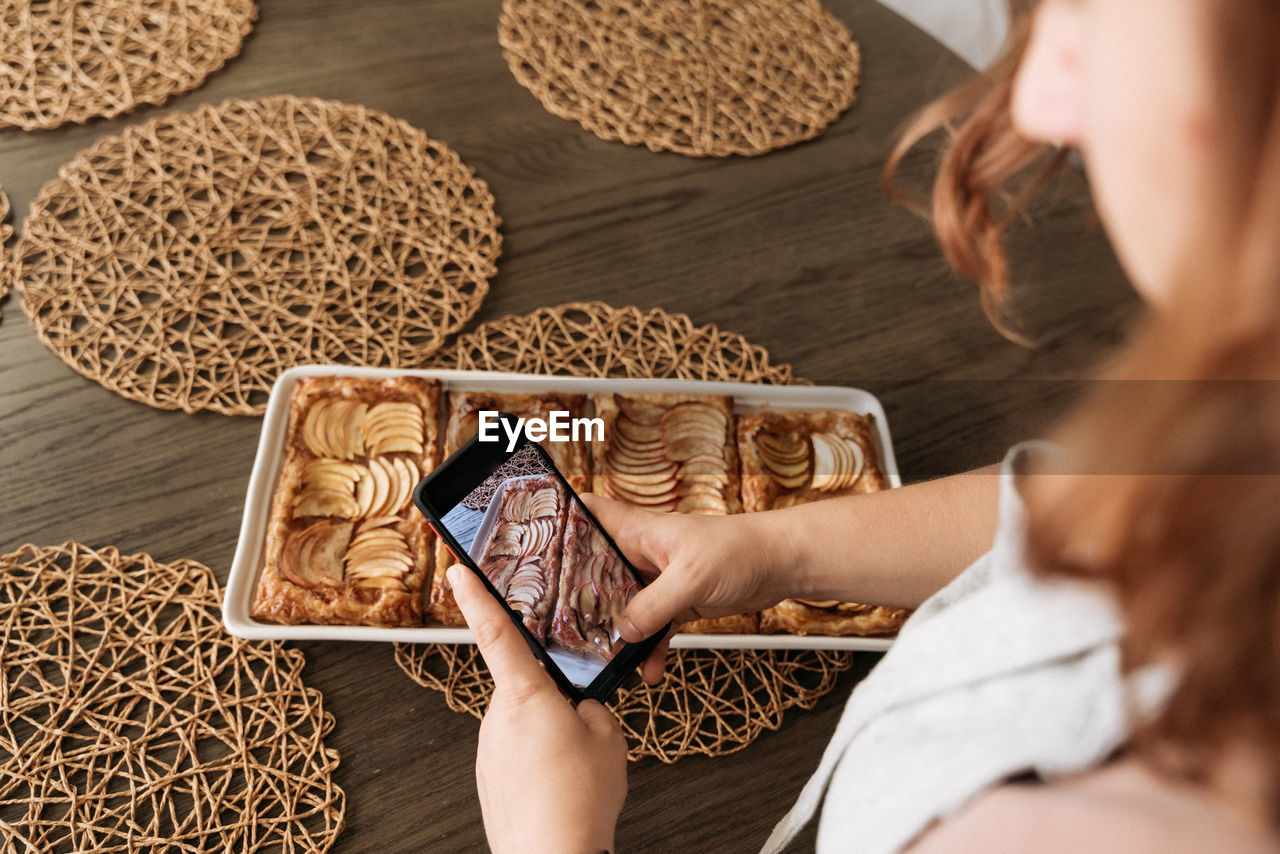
(72, 60)
(712, 702)
(6, 257)
(132, 722)
(708, 78)
(190, 260)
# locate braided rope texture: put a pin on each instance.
(190, 260)
(73, 60)
(706, 78)
(712, 702)
(6, 257)
(130, 721)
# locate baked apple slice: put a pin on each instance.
(313, 556)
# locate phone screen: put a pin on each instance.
(519, 524)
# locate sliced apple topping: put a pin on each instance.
(837, 462)
(639, 411)
(313, 556)
(543, 503)
(378, 557)
(704, 464)
(335, 428)
(498, 571)
(786, 456)
(328, 489)
(394, 426)
(692, 429)
(660, 457)
(376, 522)
(516, 507)
(702, 504)
(385, 488)
(702, 484)
(506, 540)
(526, 585)
(646, 490)
(537, 536)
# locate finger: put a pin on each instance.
(653, 606)
(623, 523)
(503, 648)
(655, 664)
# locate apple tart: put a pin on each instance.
(344, 543)
(796, 457)
(463, 422)
(672, 453)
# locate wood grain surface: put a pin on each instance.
(796, 249)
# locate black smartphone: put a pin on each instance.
(510, 516)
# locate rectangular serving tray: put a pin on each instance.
(748, 398)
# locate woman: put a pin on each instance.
(1124, 695)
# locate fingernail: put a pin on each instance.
(453, 575)
(628, 630)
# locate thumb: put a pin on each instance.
(509, 659)
(597, 717)
(654, 606)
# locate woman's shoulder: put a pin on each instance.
(1121, 809)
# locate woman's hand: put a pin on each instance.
(896, 547)
(697, 567)
(550, 777)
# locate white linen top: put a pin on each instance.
(998, 674)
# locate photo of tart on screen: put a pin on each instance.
(344, 543)
(595, 586)
(463, 408)
(520, 551)
(795, 457)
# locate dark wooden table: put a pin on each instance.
(796, 249)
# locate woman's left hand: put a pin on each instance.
(551, 777)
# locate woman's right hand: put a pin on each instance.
(697, 567)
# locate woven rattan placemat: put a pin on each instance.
(6, 255)
(190, 260)
(594, 339)
(701, 77)
(712, 702)
(130, 721)
(72, 60)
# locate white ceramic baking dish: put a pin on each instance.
(747, 397)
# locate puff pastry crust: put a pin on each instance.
(344, 543)
(738, 624)
(571, 458)
(804, 617)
